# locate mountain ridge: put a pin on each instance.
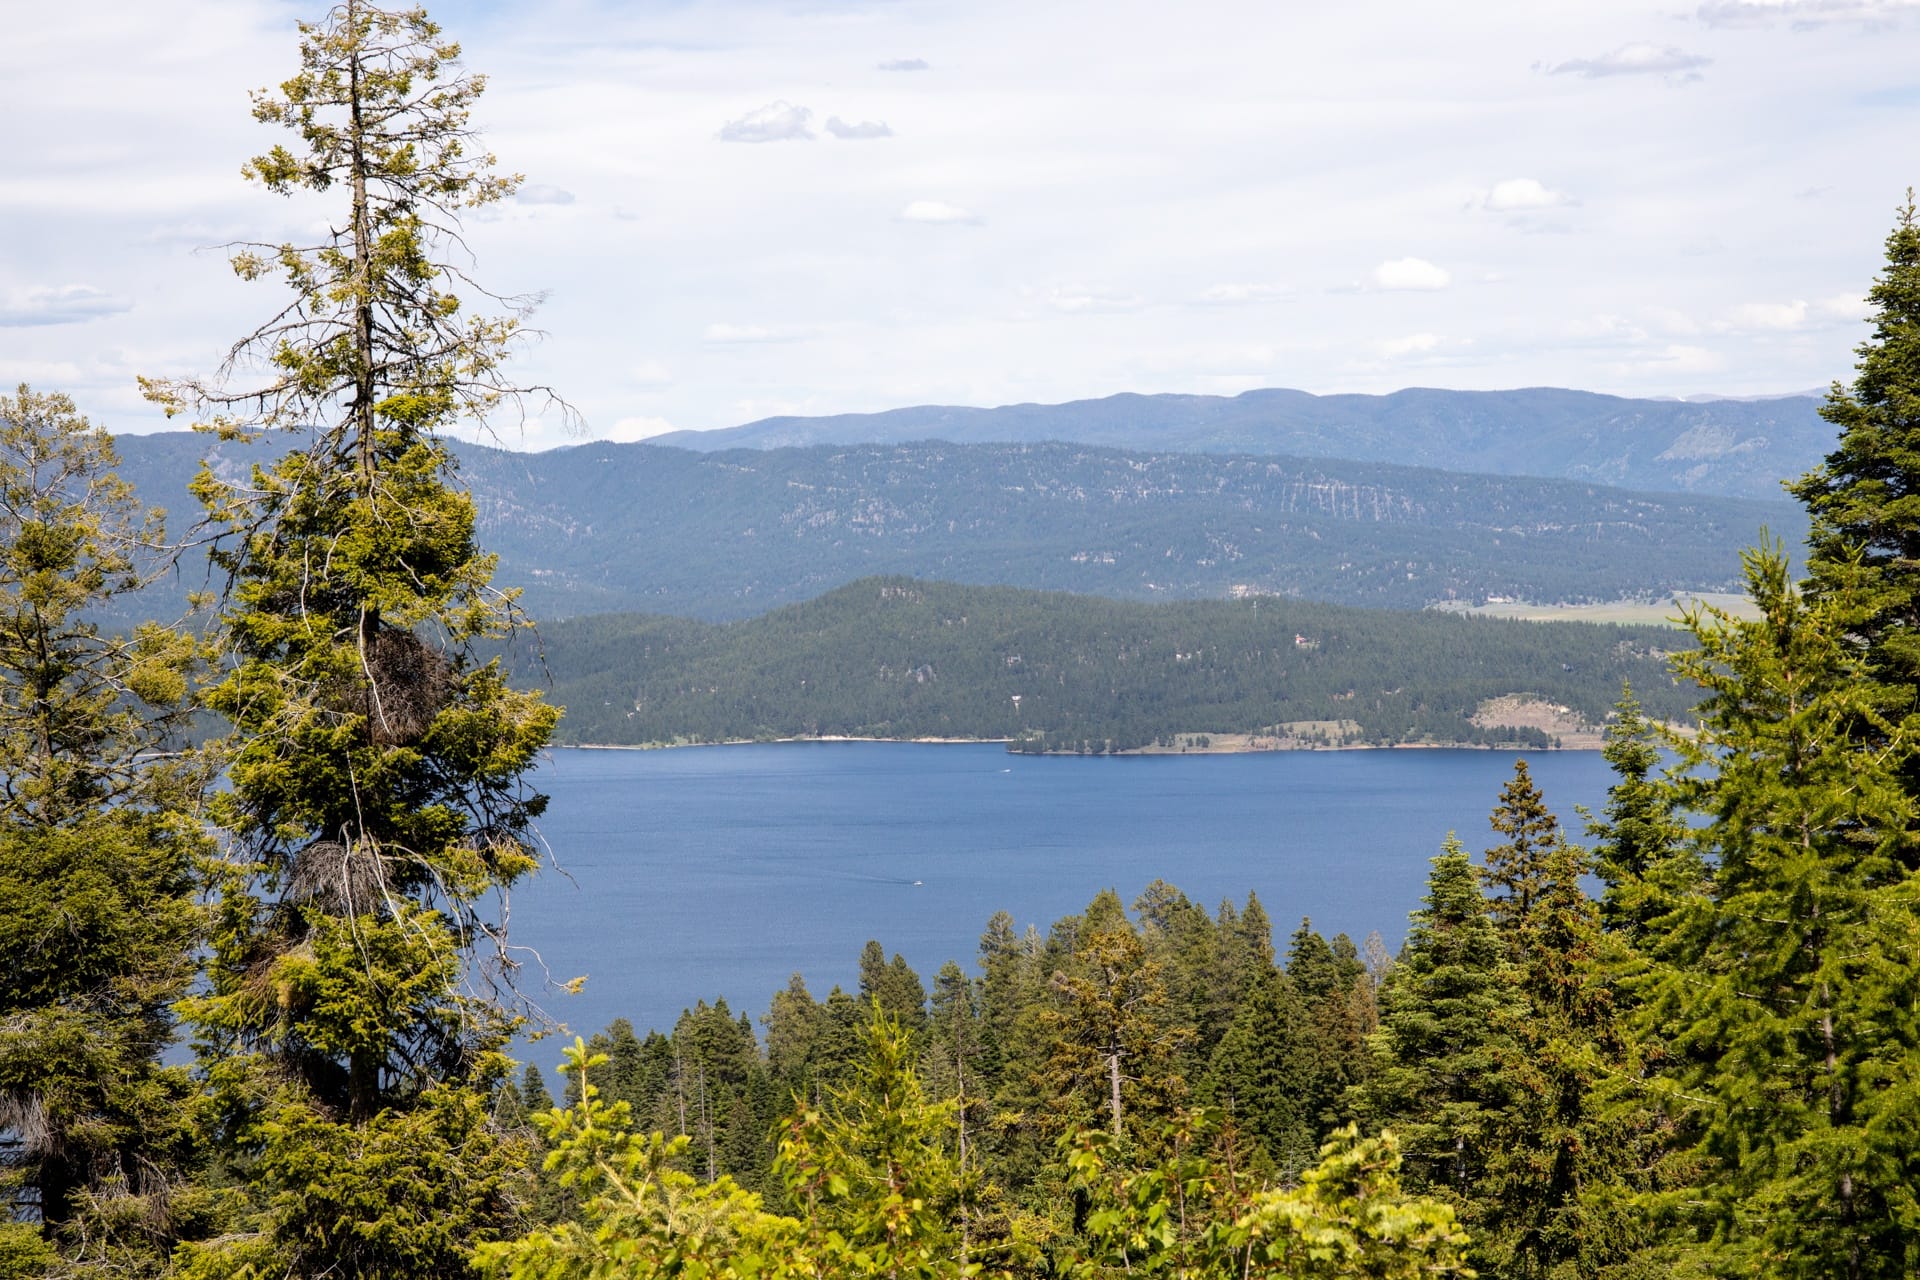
(1729, 446)
(607, 527)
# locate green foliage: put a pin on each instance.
(1865, 539)
(1114, 1038)
(1640, 850)
(1517, 870)
(1188, 1216)
(639, 1216)
(99, 834)
(873, 1172)
(1448, 1012)
(1263, 1074)
(905, 659)
(349, 1023)
(1785, 986)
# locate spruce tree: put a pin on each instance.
(1447, 1017)
(351, 1026)
(894, 986)
(1264, 1074)
(1788, 982)
(1516, 870)
(1640, 851)
(793, 1022)
(99, 835)
(1865, 537)
(1571, 1149)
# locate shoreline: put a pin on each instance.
(1234, 750)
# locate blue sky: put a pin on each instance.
(752, 208)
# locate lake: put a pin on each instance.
(701, 872)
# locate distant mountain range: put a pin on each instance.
(1727, 446)
(616, 527)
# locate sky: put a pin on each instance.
(742, 209)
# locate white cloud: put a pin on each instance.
(58, 304)
(1234, 295)
(776, 122)
(542, 193)
(650, 373)
(1412, 344)
(630, 429)
(1845, 306)
(1515, 194)
(1769, 315)
(1804, 14)
(1079, 300)
(1410, 273)
(904, 64)
(1641, 58)
(936, 211)
(858, 132)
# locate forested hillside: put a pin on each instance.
(901, 658)
(606, 527)
(258, 988)
(1732, 447)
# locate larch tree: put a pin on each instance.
(100, 833)
(352, 1022)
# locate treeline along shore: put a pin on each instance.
(902, 659)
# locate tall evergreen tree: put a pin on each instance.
(1566, 1162)
(1865, 537)
(793, 1023)
(1641, 854)
(1789, 982)
(99, 834)
(1264, 1074)
(1447, 1017)
(894, 986)
(1115, 1041)
(1516, 870)
(349, 1031)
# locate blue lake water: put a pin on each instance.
(719, 871)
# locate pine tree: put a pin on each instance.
(1115, 1042)
(350, 1031)
(1568, 1158)
(1788, 983)
(1641, 854)
(1517, 869)
(873, 1170)
(1447, 1014)
(1264, 1074)
(99, 834)
(1865, 538)
(793, 1023)
(895, 986)
(534, 1094)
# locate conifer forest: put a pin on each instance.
(258, 993)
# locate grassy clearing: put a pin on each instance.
(1640, 612)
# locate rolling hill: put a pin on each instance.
(903, 658)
